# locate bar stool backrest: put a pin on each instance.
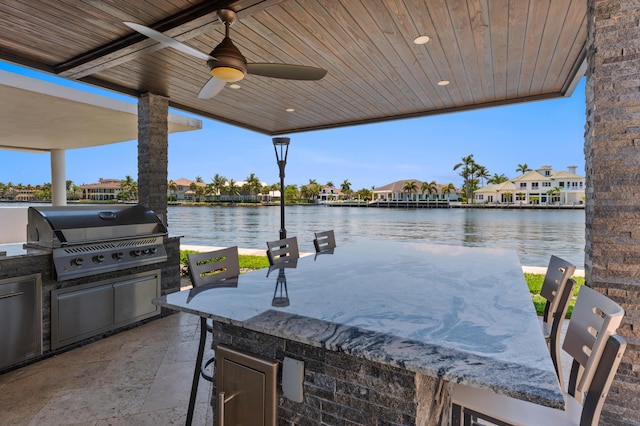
(283, 251)
(558, 272)
(214, 266)
(594, 319)
(324, 241)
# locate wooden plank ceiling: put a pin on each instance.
(492, 52)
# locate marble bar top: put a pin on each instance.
(462, 314)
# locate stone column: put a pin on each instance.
(612, 154)
(153, 148)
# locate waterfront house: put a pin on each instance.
(395, 191)
(104, 190)
(24, 194)
(182, 190)
(540, 186)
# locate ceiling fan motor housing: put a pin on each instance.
(227, 55)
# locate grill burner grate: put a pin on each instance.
(109, 246)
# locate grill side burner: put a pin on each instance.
(88, 240)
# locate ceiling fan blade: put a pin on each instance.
(286, 71)
(211, 88)
(159, 37)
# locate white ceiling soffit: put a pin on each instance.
(38, 116)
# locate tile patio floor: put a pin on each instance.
(141, 376)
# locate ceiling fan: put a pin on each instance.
(226, 63)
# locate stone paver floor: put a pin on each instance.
(141, 376)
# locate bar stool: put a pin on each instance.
(324, 241)
(218, 268)
(557, 289)
(596, 349)
(283, 251)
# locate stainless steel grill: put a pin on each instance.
(87, 240)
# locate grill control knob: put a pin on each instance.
(77, 262)
(154, 249)
(118, 256)
(98, 259)
(136, 253)
(147, 251)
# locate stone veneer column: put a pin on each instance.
(153, 148)
(612, 154)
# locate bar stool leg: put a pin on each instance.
(196, 371)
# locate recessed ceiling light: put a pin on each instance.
(290, 110)
(443, 82)
(234, 86)
(421, 39)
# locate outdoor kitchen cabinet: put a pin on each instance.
(87, 310)
(245, 388)
(20, 307)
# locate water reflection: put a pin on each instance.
(534, 234)
(281, 295)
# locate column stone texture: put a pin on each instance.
(612, 164)
(153, 148)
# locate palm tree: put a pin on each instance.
(432, 187)
(448, 189)
(345, 187)
(409, 187)
(129, 188)
(173, 187)
(199, 179)
(553, 191)
(313, 191)
(496, 179)
(330, 184)
(304, 192)
(254, 184)
(469, 167)
(524, 168)
(218, 182)
(200, 191)
(482, 173)
(233, 189)
(424, 187)
(313, 182)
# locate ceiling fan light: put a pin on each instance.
(228, 74)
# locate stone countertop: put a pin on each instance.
(463, 314)
(18, 249)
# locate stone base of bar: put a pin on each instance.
(343, 389)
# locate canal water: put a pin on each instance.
(534, 234)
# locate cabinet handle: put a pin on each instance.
(6, 296)
(221, 402)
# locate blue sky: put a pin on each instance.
(537, 133)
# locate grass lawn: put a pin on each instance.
(534, 281)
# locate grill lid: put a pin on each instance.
(53, 227)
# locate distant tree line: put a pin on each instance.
(473, 176)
